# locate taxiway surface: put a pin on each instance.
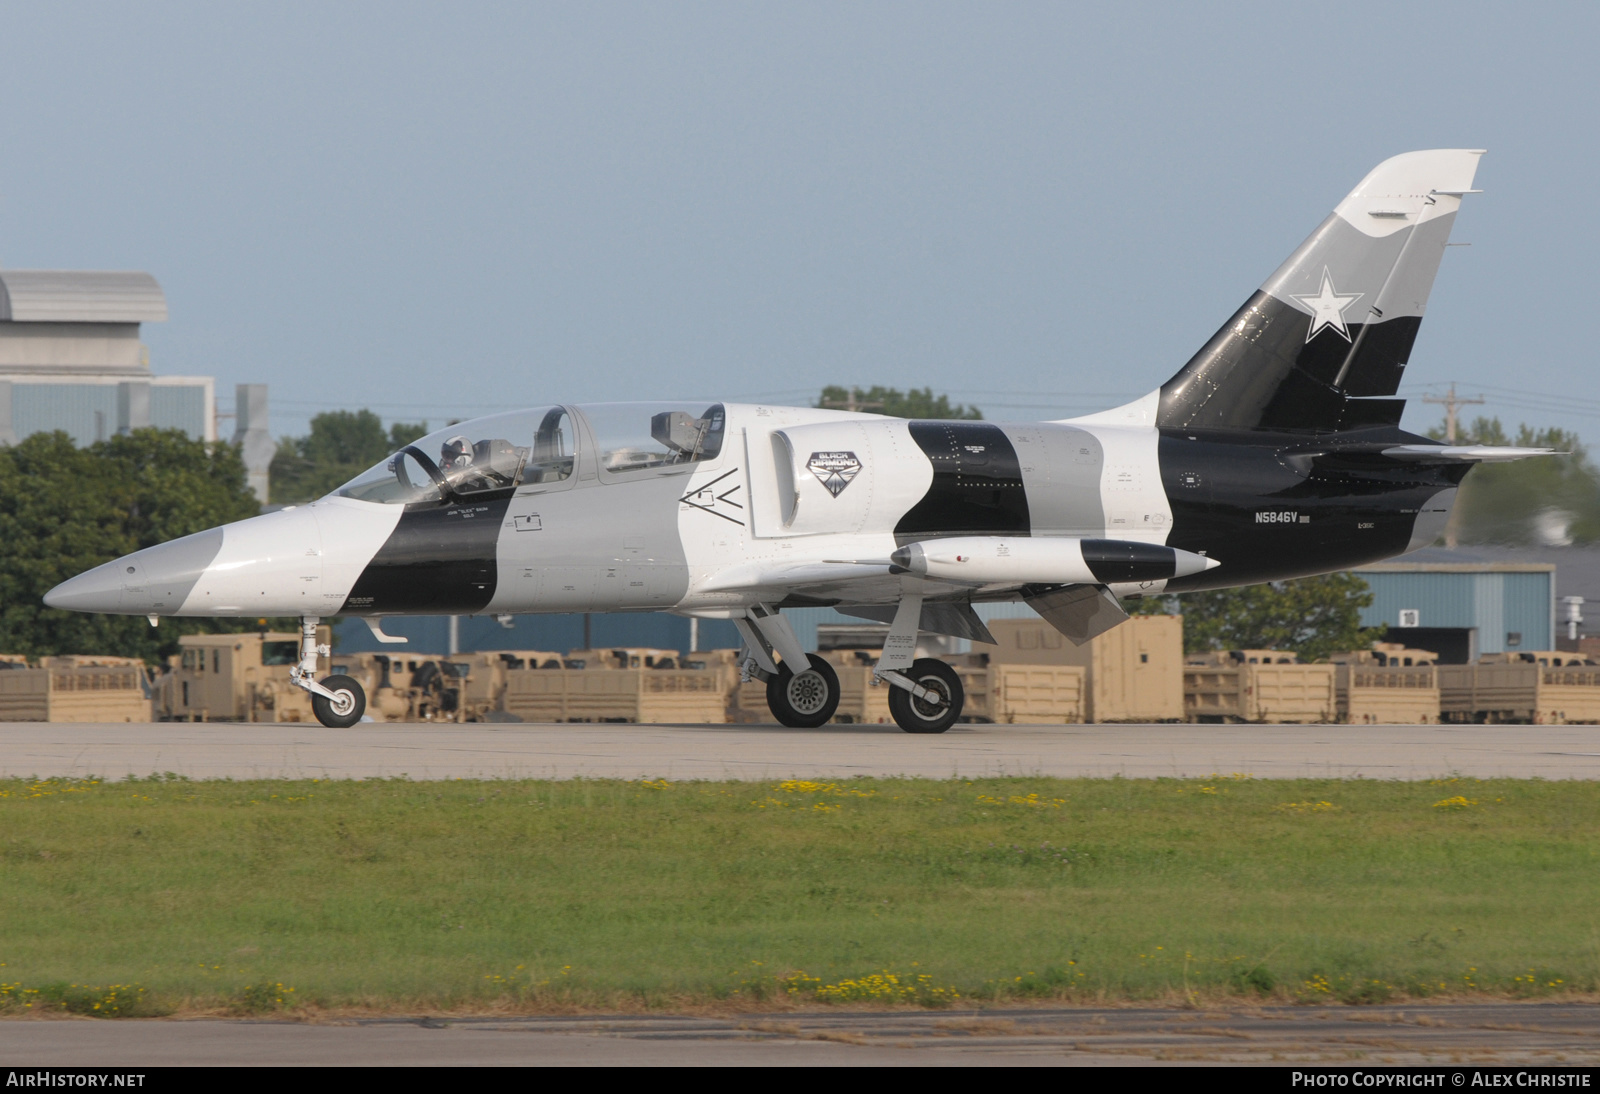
(1456, 1037)
(432, 751)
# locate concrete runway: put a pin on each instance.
(427, 751)
(1482, 1034)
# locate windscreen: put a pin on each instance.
(472, 458)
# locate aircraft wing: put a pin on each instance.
(800, 576)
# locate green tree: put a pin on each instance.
(341, 445)
(895, 403)
(64, 510)
(1313, 616)
(1541, 500)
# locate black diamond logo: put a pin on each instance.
(834, 469)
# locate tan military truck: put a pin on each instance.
(1389, 684)
(1542, 687)
(481, 692)
(1258, 686)
(74, 688)
(1025, 694)
(628, 686)
(1132, 673)
(416, 686)
(236, 678)
(617, 657)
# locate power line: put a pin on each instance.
(1451, 404)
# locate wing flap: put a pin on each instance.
(1078, 611)
(954, 618)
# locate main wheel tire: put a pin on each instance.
(347, 706)
(807, 700)
(916, 715)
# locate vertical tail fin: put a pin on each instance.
(1334, 326)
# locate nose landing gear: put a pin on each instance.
(338, 702)
(348, 702)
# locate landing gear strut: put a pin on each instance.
(338, 702)
(927, 695)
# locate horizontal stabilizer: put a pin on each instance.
(1472, 453)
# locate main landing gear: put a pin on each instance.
(807, 700)
(338, 701)
(925, 697)
(938, 705)
(799, 700)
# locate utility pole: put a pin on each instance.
(1451, 403)
(852, 403)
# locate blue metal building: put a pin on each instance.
(1463, 609)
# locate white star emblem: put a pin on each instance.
(1327, 307)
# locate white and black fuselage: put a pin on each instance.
(791, 506)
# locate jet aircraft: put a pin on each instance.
(1275, 452)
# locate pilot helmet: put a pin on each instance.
(455, 452)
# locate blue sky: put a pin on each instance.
(437, 211)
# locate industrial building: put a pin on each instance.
(71, 359)
(1463, 609)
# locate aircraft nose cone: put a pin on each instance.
(96, 590)
(154, 580)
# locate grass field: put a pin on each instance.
(164, 895)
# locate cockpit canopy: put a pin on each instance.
(638, 436)
(471, 458)
(531, 447)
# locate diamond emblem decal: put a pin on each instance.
(834, 470)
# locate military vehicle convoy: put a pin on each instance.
(1136, 672)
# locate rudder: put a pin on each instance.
(1326, 339)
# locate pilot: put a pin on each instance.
(455, 455)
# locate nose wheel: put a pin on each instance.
(343, 705)
(804, 700)
(940, 706)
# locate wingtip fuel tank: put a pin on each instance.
(1047, 560)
